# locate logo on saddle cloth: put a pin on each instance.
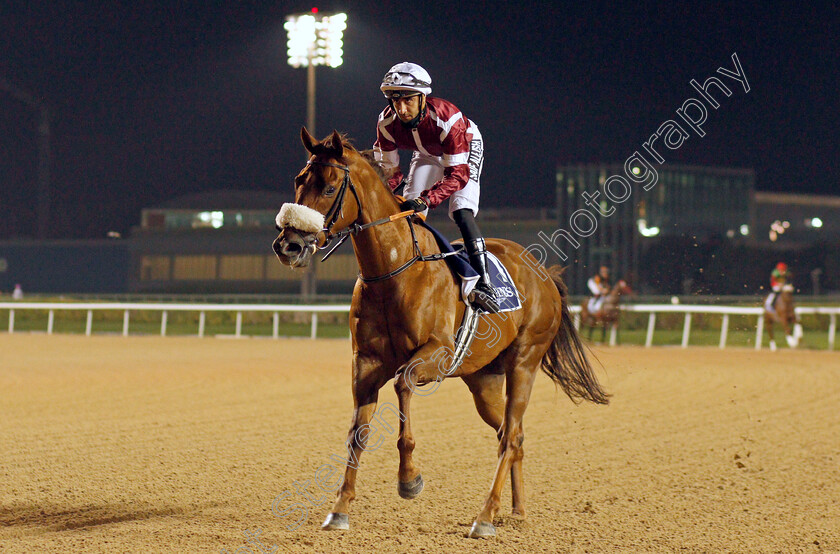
(506, 294)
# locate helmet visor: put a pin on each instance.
(399, 93)
(400, 79)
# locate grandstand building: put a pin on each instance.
(220, 242)
(698, 229)
(684, 201)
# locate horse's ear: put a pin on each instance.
(335, 144)
(308, 140)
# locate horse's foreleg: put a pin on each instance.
(428, 365)
(410, 481)
(768, 323)
(357, 438)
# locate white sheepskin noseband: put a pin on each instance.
(300, 217)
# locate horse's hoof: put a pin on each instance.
(482, 530)
(792, 341)
(336, 522)
(411, 489)
(772, 346)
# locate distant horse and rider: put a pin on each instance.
(405, 312)
(602, 308)
(779, 307)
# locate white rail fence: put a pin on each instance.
(314, 310)
(725, 312)
(202, 310)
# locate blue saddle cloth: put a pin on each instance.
(506, 294)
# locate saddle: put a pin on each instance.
(458, 262)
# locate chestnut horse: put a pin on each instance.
(405, 313)
(609, 314)
(785, 315)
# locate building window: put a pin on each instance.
(208, 219)
(155, 268)
(188, 268)
(242, 268)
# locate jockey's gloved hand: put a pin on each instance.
(416, 204)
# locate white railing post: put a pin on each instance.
(313, 332)
(832, 331)
(163, 319)
(577, 321)
(125, 323)
(202, 317)
(11, 321)
(238, 324)
(686, 330)
(89, 323)
(651, 325)
(275, 325)
(613, 335)
(724, 330)
(759, 332)
(50, 321)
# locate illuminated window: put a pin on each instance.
(209, 219)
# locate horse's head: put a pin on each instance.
(621, 287)
(321, 201)
(786, 295)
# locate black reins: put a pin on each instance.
(353, 229)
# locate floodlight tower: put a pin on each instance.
(314, 39)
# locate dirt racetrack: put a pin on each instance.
(148, 444)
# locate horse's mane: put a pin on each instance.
(377, 165)
(326, 147)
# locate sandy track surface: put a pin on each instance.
(182, 444)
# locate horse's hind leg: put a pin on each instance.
(488, 389)
(519, 381)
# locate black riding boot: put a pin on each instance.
(484, 295)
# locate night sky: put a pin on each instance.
(152, 100)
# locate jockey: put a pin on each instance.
(599, 286)
(446, 164)
(779, 277)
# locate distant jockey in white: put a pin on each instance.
(599, 286)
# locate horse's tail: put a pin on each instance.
(566, 362)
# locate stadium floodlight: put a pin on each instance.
(314, 39)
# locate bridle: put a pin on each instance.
(334, 212)
(354, 228)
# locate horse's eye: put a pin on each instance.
(330, 191)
